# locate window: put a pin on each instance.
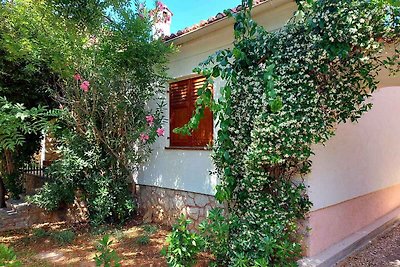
(182, 97)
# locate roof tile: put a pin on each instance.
(205, 23)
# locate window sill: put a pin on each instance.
(188, 148)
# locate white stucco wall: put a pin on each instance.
(360, 159)
(190, 170)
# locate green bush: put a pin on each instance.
(183, 245)
(215, 232)
(107, 256)
(8, 257)
(106, 84)
(39, 233)
(63, 237)
(13, 183)
(85, 168)
(53, 195)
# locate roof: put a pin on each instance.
(204, 23)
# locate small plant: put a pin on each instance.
(119, 234)
(39, 233)
(150, 229)
(63, 237)
(8, 257)
(99, 230)
(183, 245)
(107, 256)
(215, 231)
(143, 240)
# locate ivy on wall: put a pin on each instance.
(286, 91)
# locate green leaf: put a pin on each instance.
(276, 105)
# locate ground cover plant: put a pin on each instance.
(286, 91)
(8, 257)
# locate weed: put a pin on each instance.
(63, 237)
(107, 256)
(39, 233)
(150, 229)
(143, 240)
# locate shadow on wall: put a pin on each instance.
(179, 169)
(363, 157)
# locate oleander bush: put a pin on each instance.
(109, 71)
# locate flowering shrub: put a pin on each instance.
(109, 118)
(284, 92)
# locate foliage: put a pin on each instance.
(215, 232)
(8, 257)
(25, 75)
(39, 233)
(13, 183)
(107, 256)
(83, 169)
(183, 245)
(16, 123)
(286, 91)
(53, 195)
(63, 237)
(114, 72)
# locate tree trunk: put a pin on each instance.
(2, 194)
(7, 168)
(9, 162)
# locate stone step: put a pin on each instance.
(5, 212)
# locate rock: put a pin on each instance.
(148, 217)
(201, 200)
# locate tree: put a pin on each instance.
(16, 122)
(117, 72)
(26, 73)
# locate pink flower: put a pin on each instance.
(144, 137)
(77, 77)
(160, 5)
(85, 86)
(160, 131)
(150, 119)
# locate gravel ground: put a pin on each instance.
(383, 251)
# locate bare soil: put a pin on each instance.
(383, 251)
(37, 251)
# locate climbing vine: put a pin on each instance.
(286, 91)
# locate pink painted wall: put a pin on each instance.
(332, 224)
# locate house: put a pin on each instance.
(355, 179)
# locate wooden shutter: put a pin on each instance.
(183, 96)
(203, 135)
(180, 111)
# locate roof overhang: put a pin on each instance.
(225, 22)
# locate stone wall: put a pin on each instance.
(21, 214)
(162, 205)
